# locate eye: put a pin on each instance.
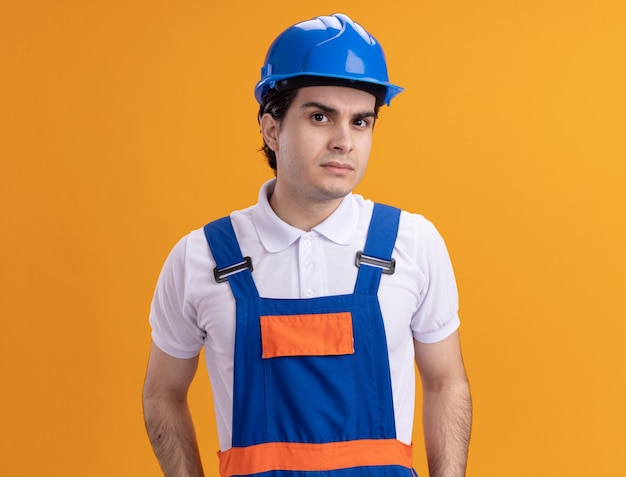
(361, 123)
(319, 117)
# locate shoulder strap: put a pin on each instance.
(230, 263)
(376, 259)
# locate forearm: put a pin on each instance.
(173, 437)
(447, 428)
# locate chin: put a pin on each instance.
(335, 192)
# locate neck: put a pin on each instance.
(303, 216)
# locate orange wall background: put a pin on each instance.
(123, 125)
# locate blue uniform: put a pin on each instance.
(312, 392)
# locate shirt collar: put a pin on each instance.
(277, 235)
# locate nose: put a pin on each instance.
(341, 140)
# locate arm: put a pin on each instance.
(447, 406)
(167, 416)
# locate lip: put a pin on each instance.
(339, 168)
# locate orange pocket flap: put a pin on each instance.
(307, 335)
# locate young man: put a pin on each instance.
(312, 305)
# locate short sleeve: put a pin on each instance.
(437, 314)
(174, 326)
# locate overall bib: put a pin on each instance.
(312, 390)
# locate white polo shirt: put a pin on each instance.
(419, 301)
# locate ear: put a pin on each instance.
(269, 129)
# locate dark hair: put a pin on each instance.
(277, 100)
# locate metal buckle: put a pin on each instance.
(388, 266)
(222, 274)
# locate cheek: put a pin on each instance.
(289, 138)
(365, 147)
(298, 146)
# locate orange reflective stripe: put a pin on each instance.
(307, 335)
(303, 457)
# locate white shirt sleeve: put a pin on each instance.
(174, 326)
(437, 314)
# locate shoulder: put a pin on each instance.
(408, 220)
(418, 228)
(414, 229)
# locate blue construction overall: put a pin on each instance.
(312, 392)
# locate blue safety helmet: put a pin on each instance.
(327, 50)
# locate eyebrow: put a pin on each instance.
(334, 112)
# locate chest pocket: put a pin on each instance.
(325, 334)
(309, 373)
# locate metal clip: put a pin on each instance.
(222, 274)
(388, 266)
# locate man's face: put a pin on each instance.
(323, 143)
